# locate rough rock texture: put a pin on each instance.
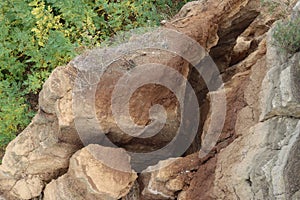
(239, 118)
(256, 155)
(260, 157)
(253, 159)
(281, 97)
(92, 174)
(168, 177)
(216, 24)
(140, 102)
(264, 178)
(42, 151)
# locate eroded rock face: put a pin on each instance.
(93, 174)
(255, 157)
(281, 98)
(143, 98)
(166, 179)
(258, 159)
(242, 93)
(270, 144)
(42, 151)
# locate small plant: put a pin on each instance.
(286, 35)
(278, 8)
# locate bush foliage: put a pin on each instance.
(287, 35)
(278, 8)
(38, 35)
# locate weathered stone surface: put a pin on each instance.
(93, 174)
(239, 172)
(242, 93)
(168, 177)
(257, 169)
(26, 189)
(41, 152)
(256, 155)
(256, 162)
(216, 25)
(281, 89)
(140, 102)
(250, 40)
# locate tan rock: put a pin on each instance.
(40, 153)
(175, 184)
(140, 102)
(58, 84)
(26, 189)
(242, 92)
(182, 196)
(95, 172)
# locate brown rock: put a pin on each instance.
(26, 189)
(102, 79)
(242, 95)
(216, 25)
(164, 180)
(201, 182)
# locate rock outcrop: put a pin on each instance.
(261, 158)
(255, 156)
(61, 154)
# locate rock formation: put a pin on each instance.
(256, 155)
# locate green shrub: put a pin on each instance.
(286, 35)
(14, 111)
(278, 8)
(38, 35)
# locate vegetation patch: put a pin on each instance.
(286, 35)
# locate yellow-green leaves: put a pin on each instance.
(46, 21)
